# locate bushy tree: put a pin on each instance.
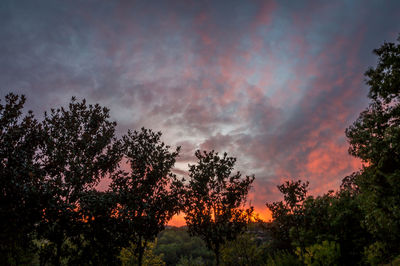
(149, 195)
(101, 232)
(301, 222)
(20, 179)
(336, 217)
(375, 138)
(78, 150)
(214, 196)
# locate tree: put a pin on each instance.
(101, 233)
(20, 191)
(336, 217)
(301, 222)
(326, 253)
(149, 195)
(214, 196)
(375, 138)
(78, 150)
(128, 256)
(288, 214)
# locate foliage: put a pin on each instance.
(346, 225)
(150, 194)
(20, 190)
(376, 253)
(242, 251)
(336, 217)
(101, 233)
(395, 261)
(213, 200)
(283, 258)
(288, 214)
(326, 253)
(318, 223)
(375, 138)
(78, 150)
(128, 256)
(308, 220)
(177, 246)
(189, 261)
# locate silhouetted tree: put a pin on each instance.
(149, 195)
(101, 232)
(79, 149)
(20, 199)
(336, 217)
(288, 214)
(306, 222)
(213, 200)
(375, 138)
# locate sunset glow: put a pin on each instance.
(262, 213)
(272, 83)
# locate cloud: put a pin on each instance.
(273, 83)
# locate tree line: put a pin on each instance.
(51, 211)
(50, 205)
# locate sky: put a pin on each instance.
(272, 83)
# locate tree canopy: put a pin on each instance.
(20, 178)
(375, 138)
(77, 151)
(149, 195)
(213, 199)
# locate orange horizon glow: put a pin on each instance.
(262, 213)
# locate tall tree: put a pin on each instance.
(20, 189)
(375, 138)
(79, 149)
(213, 200)
(149, 195)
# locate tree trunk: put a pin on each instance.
(216, 251)
(141, 248)
(140, 257)
(57, 261)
